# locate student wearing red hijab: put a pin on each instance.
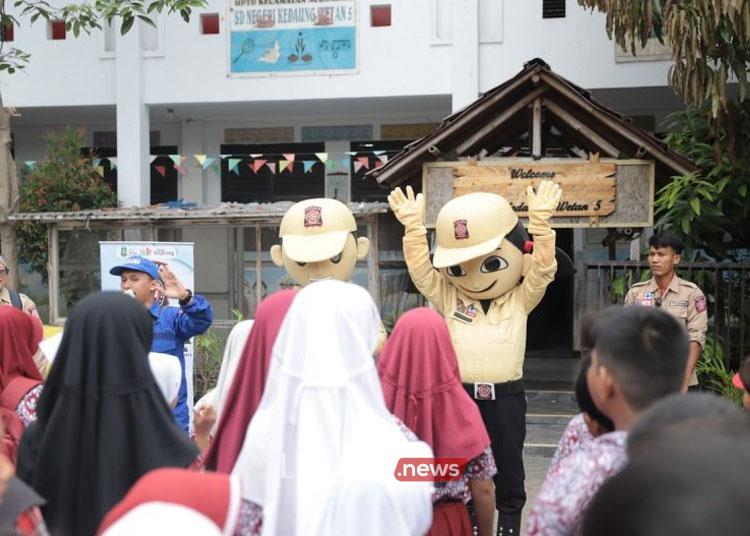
(419, 374)
(249, 382)
(20, 379)
(170, 501)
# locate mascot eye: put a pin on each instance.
(493, 264)
(302, 263)
(456, 271)
(336, 259)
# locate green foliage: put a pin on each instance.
(710, 43)
(87, 17)
(707, 207)
(66, 181)
(208, 355)
(713, 372)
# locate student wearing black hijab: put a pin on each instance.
(102, 421)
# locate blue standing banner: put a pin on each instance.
(303, 36)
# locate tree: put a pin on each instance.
(84, 17)
(710, 42)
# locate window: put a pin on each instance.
(152, 37)
(380, 15)
(6, 33)
(56, 30)
(440, 22)
(209, 23)
(553, 9)
(107, 43)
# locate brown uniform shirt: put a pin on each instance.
(28, 305)
(683, 300)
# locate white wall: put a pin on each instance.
(401, 60)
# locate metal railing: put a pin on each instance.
(726, 286)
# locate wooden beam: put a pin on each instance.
(53, 273)
(654, 149)
(536, 130)
(493, 125)
(576, 125)
(373, 268)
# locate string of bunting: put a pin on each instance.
(276, 163)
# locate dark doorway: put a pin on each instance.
(550, 327)
(163, 187)
(243, 185)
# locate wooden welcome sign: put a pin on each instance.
(588, 189)
(606, 193)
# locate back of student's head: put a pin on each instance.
(587, 332)
(680, 414)
(583, 396)
(645, 349)
(666, 241)
(745, 372)
(690, 486)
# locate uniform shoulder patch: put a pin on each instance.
(700, 304)
(639, 284)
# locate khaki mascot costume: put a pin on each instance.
(318, 242)
(486, 277)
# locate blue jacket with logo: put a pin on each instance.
(173, 326)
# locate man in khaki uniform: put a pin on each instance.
(485, 279)
(682, 299)
(12, 298)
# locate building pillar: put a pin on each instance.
(191, 143)
(133, 146)
(465, 52)
(338, 182)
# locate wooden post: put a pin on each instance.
(373, 255)
(53, 273)
(536, 150)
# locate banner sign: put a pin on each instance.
(179, 257)
(288, 36)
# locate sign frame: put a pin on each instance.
(585, 222)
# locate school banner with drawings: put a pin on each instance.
(179, 257)
(292, 36)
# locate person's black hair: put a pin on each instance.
(693, 487)
(583, 396)
(667, 241)
(745, 372)
(587, 332)
(646, 351)
(684, 410)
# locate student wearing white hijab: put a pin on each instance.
(321, 451)
(232, 353)
(168, 374)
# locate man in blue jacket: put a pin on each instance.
(173, 326)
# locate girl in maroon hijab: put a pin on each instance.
(249, 382)
(20, 380)
(419, 374)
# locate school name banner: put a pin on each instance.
(291, 36)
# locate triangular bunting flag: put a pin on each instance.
(332, 165)
(176, 158)
(95, 162)
(216, 168)
(223, 156)
(351, 153)
(161, 170)
(112, 162)
(365, 161)
(346, 162)
(378, 153)
(323, 157)
(207, 162)
(233, 163)
(255, 155)
(282, 165)
(288, 156)
(181, 169)
(383, 158)
(31, 164)
(100, 171)
(308, 165)
(378, 164)
(258, 164)
(153, 157)
(272, 166)
(201, 158)
(357, 166)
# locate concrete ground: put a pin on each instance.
(536, 470)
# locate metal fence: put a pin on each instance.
(726, 286)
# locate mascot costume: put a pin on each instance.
(486, 276)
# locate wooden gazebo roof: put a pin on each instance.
(534, 108)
